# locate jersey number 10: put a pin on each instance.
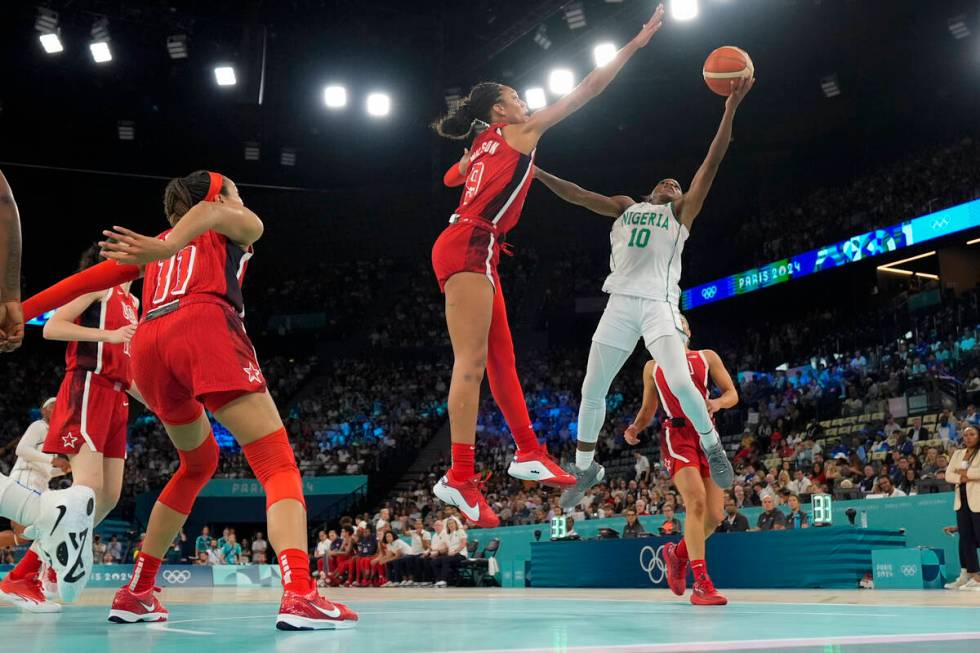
(473, 182)
(179, 269)
(639, 237)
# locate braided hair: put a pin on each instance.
(473, 113)
(184, 192)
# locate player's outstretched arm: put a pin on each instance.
(233, 220)
(524, 136)
(62, 325)
(690, 204)
(11, 313)
(612, 207)
(647, 409)
(27, 445)
(103, 276)
(722, 379)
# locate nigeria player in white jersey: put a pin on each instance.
(647, 240)
(34, 469)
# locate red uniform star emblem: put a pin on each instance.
(69, 440)
(254, 373)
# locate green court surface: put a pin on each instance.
(509, 622)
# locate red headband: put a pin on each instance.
(214, 188)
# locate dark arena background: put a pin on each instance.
(834, 270)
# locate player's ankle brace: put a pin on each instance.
(271, 459)
(197, 466)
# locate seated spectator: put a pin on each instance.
(886, 489)
(215, 557)
(800, 483)
(642, 467)
(672, 525)
(203, 541)
(770, 519)
(867, 484)
(396, 550)
(231, 550)
(259, 548)
(115, 548)
(796, 517)
(98, 548)
(107, 559)
(201, 559)
(322, 549)
(633, 527)
(456, 552)
(734, 521)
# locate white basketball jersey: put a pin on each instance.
(647, 242)
(35, 461)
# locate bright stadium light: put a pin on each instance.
(225, 76)
(52, 43)
(100, 51)
(561, 81)
(378, 104)
(535, 97)
(684, 9)
(335, 97)
(604, 53)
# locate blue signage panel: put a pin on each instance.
(852, 250)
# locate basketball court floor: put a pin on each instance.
(522, 621)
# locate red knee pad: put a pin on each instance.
(197, 466)
(272, 460)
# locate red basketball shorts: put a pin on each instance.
(89, 410)
(465, 247)
(681, 447)
(198, 354)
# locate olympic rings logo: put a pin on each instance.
(176, 577)
(909, 570)
(709, 292)
(652, 563)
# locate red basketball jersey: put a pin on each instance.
(498, 180)
(116, 310)
(209, 268)
(697, 364)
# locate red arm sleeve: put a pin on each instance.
(98, 277)
(453, 176)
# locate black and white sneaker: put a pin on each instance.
(721, 468)
(584, 479)
(64, 533)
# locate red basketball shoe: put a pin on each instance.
(538, 465)
(313, 612)
(26, 594)
(468, 497)
(130, 608)
(676, 569)
(704, 593)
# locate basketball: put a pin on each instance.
(725, 64)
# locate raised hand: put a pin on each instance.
(740, 88)
(126, 246)
(650, 27)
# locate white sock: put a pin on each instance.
(583, 459)
(18, 503)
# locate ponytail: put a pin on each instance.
(472, 115)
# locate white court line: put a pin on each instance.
(165, 628)
(741, 645)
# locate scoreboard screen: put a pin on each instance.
(822, 510)
(854, 249)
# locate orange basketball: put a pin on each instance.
(725, 64)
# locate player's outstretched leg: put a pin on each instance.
(668, 351)
(531, 460)
(254, 421)
(603, 366)
(469, 304)
(198, 454)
